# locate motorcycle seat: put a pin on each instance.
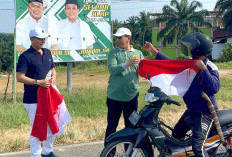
(225, 117)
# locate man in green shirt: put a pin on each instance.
(122, 91)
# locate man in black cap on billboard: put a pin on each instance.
(35, 18)
(75, 34)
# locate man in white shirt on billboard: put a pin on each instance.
(35, 18)
(75, 34)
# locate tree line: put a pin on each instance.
(179, 17)
(6, 51)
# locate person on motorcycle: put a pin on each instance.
(207, 80)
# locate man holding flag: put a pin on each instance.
(43, 103)
(206, 79)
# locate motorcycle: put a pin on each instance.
(149, 136)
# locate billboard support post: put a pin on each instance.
(69, 76)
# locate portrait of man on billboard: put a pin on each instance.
(35, 18)
(74, 33)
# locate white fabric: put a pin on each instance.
(35, 144)
(75, 36)
(24, 26)
(62, 115)
(212, 65)
(174, 84)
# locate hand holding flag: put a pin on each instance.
(174, 77)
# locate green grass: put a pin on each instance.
(224, 65)
(224, 94)
(86, 102)
(12, 115)
(93, 67)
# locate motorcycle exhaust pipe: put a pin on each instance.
(215, 118)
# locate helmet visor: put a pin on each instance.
(188, 43)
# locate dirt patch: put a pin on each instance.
(78, 80)
(225, 73)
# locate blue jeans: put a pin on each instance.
(115, 109)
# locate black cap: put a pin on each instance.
(40, 1)
(71, 2)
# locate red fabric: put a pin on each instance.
(156, 67)
(48, 100)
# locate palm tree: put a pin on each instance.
(115, 25)
(145, 26)
(132, 24)
(224, 8)
(179, 18)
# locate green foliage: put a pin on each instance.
(6, 51)
(141, 27)
(181, 56)
(224, 8)
(226, 54)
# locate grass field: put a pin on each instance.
(86, 105)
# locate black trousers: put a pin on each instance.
(115, 109)
(201, 124)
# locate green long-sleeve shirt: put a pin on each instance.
(124, 81)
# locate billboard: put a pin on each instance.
(79, 30)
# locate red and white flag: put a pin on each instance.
(173, 77)
(51, 111)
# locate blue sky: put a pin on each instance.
(120, 9)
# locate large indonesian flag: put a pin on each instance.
(51, 111)
(174, 77)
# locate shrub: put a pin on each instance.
(181, 56)
(226, 54)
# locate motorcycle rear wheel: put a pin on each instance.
(120, 147)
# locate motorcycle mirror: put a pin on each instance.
(149, 78)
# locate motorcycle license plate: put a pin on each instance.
(134, 118)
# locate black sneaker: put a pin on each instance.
(49, 155)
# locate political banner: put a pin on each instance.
(78, 30)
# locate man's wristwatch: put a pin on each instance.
(35, 82)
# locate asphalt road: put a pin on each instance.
(90, 149)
